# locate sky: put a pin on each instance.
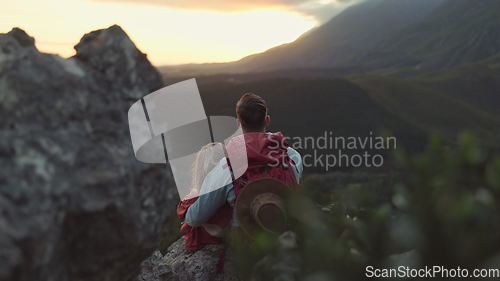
(171, 31)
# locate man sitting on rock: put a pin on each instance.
(264, 151)
(268, 156)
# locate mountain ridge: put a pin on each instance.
(435, 38)
(356, 28)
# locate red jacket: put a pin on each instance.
(266, 155)
(197, 237)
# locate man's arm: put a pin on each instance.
(206, 206)
(208, 203)
(214, 192)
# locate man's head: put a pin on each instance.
(251, 111)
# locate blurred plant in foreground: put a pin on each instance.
(441, 209)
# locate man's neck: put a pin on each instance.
(253, 131)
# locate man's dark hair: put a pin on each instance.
(251, 110)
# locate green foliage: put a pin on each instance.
(454, 204)
(442, 209)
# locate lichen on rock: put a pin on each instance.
(74, 202)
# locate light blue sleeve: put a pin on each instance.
(213, 198)
(215, 192)
(299, 167)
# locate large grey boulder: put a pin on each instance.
(111, 53)
(74, 202)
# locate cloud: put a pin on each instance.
(322, 10)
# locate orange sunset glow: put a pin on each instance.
(170, 32)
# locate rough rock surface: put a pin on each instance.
(178, 264)
(74, 202)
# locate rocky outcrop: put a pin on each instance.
(178, 264)
(74, 202)
(118, 60)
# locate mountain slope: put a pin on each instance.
(458, 31)
(309, 107)
(477, 84)
(464, 97)
(448, 102)
(333, 44)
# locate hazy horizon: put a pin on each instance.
(169, 32)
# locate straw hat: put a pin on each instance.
(261, 206)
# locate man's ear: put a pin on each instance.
(267, 120)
